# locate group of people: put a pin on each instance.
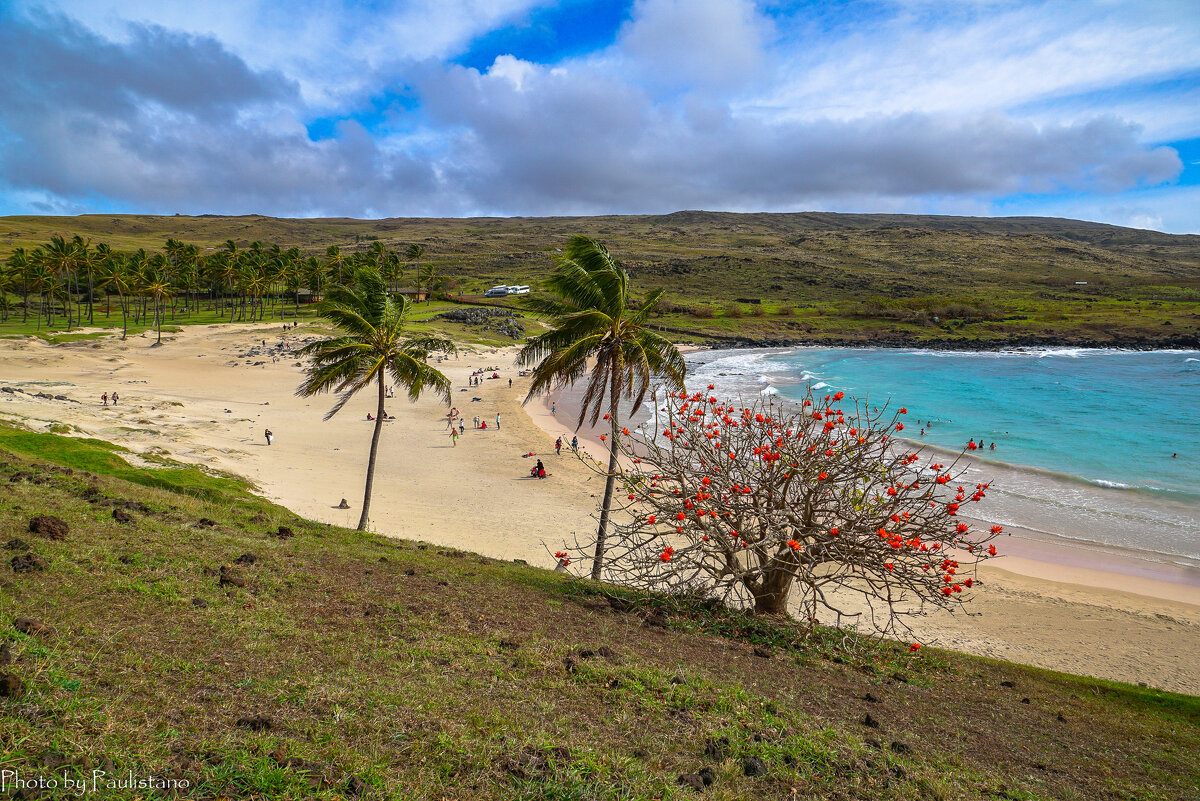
(105, 397)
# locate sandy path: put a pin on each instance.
(206, 396)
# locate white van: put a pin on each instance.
(497, 292)
(520, 289)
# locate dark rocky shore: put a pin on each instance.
(1183, 342)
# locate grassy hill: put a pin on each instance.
(184, 628)
(811, 276)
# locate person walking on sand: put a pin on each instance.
(574, 443)
(454, 436)
(114, 399)
(462, 427)
(558, 447)
(104, 398)
(497, 421)
(269, 436)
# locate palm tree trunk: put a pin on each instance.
(366, 507)
(609, 483)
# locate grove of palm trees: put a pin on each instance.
(69, 282)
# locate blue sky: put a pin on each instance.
(524, 107)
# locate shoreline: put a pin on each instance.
(1032, 555)
(206, 395)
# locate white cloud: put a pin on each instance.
(927, 107)
(695, 44)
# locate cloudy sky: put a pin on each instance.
(527, 107)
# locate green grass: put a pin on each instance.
(103, 458)
(430, 673)
(866, 278)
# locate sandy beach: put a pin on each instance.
(208, 393)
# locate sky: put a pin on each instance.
(1087, 109)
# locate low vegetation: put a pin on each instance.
(184, 628)
(812, 277)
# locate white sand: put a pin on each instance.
(479, 496)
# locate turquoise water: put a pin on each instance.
(1084, 437)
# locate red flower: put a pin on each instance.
(969, 582)
(651, 519)
(795, 546)
(997, 529)
(603, 437)
(608, 417)
(903, 410)
(899, 426)
(833, 531)
(992, 550)
(952, 508)
(916, 646)
(822, 476)
(560, 555)
(889, 566)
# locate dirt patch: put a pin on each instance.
(49, 526)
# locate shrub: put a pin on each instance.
(747, 503)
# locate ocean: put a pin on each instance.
(1094, 446)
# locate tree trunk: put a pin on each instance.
(366, 507)
(771, 594)
(609, 483)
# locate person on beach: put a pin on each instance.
(558, 447)
(497, 421)
(993, 446)
(370, 416)
(510, 383)
(454, 436)
(114, 399)
(462, 427)
(104, 398)
(476, 421)
(553, 407)
(574, 443)
(269, 436)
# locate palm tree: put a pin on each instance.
(371, 348)
(596, 332)
(61, 257)
(156, 284)
(116, 275)
(19, 263)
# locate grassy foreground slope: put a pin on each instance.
(177, 630)
(811, 276)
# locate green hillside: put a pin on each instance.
(810, 276)
(184, 629)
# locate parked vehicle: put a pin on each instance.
(497, 292)
(520, 289)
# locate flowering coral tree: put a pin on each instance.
(814, 508)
